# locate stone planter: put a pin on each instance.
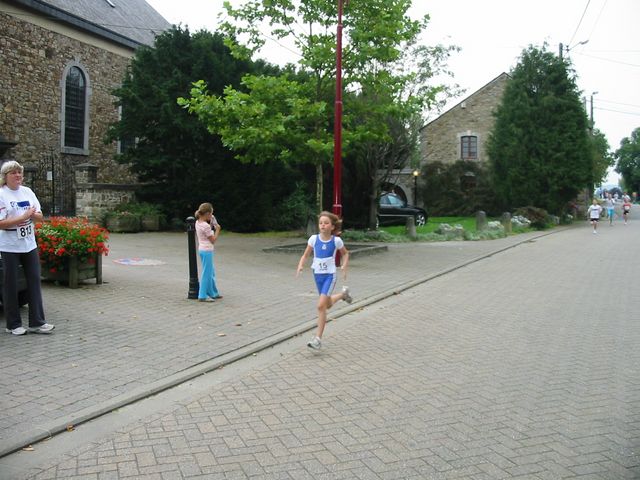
(150, 223)
(75, 271)
(124, 223)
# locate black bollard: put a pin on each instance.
(194, 285)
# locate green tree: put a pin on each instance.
(540, 152)
(602, 156)
(380, 39)
(272, 118)
(179, 163)
(628, 161)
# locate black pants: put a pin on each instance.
(31, 265)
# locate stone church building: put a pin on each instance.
(61, 60)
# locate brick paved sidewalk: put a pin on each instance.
(522, 365)
(137, 333)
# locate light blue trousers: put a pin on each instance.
(208, 279)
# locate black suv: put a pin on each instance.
(393, 210)
(23, 294)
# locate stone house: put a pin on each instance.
(461, 132)
(61, 59)
(458, 134)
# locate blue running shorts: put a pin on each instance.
(325, 282)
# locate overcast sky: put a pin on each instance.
(493, 33)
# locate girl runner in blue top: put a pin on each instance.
(324, 247)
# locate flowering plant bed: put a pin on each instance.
(66, 242)
(123, 222)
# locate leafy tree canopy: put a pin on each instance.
(628, 161)
(387, 77)
(602, 156)
(540, 152)
(179, 161)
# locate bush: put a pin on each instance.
(566, 219)
(538, 217)
(293, 212)
(138, 208)
(458, 189)
(371, 236)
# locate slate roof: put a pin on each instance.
(129, 22)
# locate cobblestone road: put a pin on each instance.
(520, 365)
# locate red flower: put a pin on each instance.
(63, 237)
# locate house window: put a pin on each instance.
(75, 111)
(469, 147)
(74, 108)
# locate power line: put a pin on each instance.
(609, 60)
(617, 103)
(580, 22)
(598, 19)
(614, 51)
(637, 114)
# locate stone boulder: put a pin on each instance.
(518, 221)
(495, 226)
(456, 230)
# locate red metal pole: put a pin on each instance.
(337, 128)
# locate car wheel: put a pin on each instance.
(23, 298)
(420, 220)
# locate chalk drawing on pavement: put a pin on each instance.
(137, 261)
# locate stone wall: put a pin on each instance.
(33, 62)
(440, 139)
(93, 200)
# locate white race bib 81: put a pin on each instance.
(25, 231)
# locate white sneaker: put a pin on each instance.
(345, 295)
(16, 331)
(44, 328)
(314, 343)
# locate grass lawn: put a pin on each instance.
(468, 223)
(397, 233)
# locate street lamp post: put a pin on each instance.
(567, 48)
(416, 172)
(194, 285)
(337, 128)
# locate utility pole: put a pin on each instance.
(591, 123)
(562, 48)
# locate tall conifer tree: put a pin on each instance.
(539, 150)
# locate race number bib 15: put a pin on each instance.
(324, 265)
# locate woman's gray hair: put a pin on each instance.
(8, 167)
